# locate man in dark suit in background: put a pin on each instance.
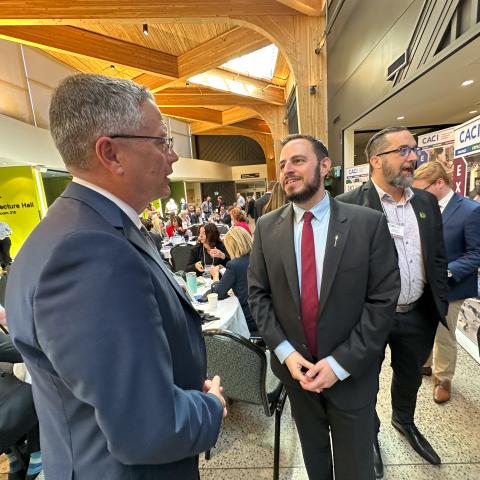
(415, 225)
(461, 230)
(262, 201)
(113, 345)
(323, 284)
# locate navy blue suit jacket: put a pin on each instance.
(461, 230)
(114, 347)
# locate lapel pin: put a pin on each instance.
(423, 215)
(336, 238)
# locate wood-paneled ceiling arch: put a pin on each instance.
(185, 39)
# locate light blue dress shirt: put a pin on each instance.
(320, 221)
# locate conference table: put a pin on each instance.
(229, 312)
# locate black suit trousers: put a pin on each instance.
(351, 431)
(411, 341)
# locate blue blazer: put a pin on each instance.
(114, 347)
(461, 230)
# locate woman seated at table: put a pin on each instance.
(239, 245)
(208, 251)
(239, 219)
(175, 227)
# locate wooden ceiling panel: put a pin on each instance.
(92, 65)
(172, 38)
(46, 12)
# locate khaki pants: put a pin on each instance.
(444, 354)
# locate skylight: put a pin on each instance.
(260, 64)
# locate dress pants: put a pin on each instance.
(351, 432)
(444, 354)
(411, 341)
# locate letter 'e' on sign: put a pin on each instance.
(460, 176)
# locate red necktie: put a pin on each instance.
(309, 296)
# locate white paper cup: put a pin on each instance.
(212, 300)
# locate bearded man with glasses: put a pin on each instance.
(415, 225)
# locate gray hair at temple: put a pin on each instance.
(86, 107)
(378, 142)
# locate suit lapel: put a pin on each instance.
(338, 230)
(286, 249)
(451, 207)
(371, 198)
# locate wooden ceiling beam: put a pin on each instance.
(253, 124)
(168, 99)
(312, 8)
(46, 12)
(198, 128)
(82, 42)
(192, 113)
(237, 114)
(219, 50)
(230, 130)
(240, 85)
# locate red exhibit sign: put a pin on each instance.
(459, 176)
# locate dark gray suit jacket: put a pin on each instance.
(113, 345)
(359, 291)
(429, 222)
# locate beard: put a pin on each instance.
(397, 180)
(308, 191)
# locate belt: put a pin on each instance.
(407, 307)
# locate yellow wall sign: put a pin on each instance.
(22, 202)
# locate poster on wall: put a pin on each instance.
(467, 182)
(356, 176)
(438, 146)
(467, 147)
(22, 202)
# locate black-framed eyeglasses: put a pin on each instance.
(428, 186)
(403, 151)
(165, 140)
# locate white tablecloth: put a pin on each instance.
(230, 313)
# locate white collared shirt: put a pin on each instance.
(442, 203)
(127, 209)
(409, 247)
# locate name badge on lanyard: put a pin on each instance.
(396, 231)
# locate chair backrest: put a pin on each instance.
(180, 256)
(242, 366)
(222, 228)
(3, 286)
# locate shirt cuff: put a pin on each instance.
(283, 350)
(340, 372)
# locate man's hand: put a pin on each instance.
(319, 377)
(295, 362)
(213, 386)
(215, 272)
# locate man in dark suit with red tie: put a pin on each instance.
(323, 284)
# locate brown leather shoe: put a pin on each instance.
(442, 391)
(427, 371)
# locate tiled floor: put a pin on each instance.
(245, 448)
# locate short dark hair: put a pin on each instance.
(378, 142)
(318, 147)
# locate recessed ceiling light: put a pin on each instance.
(473, 111)
(467, 82)
(400, 118)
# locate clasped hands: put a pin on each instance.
(316, 378)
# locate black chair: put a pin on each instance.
(242, 366)
(180, 256)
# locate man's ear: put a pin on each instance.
(107, 153)
(325, 164)
(375, 162)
